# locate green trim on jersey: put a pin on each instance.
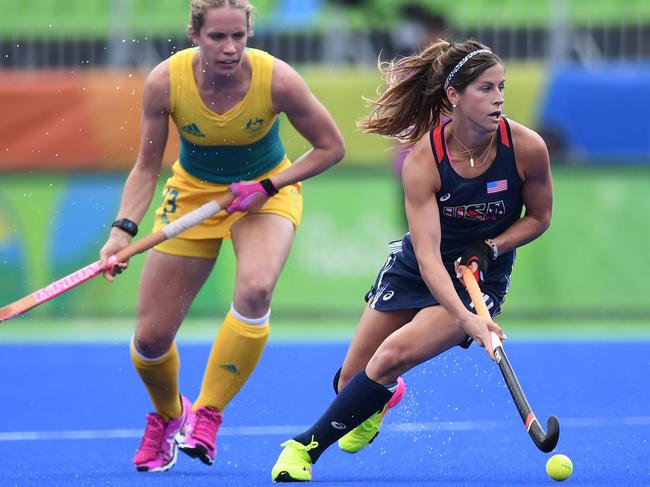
(236, 162)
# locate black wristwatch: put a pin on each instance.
(269, 187)
(127, 225)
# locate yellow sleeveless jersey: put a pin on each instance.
(239, 144)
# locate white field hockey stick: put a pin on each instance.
(544, 440)
(82, 275)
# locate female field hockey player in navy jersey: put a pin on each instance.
(476, 188)
(224, 100)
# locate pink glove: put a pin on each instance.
(246, 195)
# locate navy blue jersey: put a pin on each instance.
(477, 208)
(471, 210)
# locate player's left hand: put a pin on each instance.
(250, 195)
(477, 257)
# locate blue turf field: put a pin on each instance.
(72, 415)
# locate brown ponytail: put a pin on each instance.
(415, 97)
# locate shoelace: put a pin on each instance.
(207, 423)
(153, 433)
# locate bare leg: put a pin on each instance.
(374, 327)
(262, 243)
(430, 333)
(168, 285)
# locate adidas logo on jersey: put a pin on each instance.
(193, 129)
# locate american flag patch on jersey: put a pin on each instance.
(497, 186)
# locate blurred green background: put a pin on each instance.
(585, 277)
(43, 18)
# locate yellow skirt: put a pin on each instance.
(183, 193)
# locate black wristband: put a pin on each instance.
(126, 225)
(269, 187)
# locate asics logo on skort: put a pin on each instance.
(338, 426)
(388, 295)
(445, 197)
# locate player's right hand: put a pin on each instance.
(250, 195)
(117, 241)
(479, 328)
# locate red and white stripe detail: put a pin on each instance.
(529, 421)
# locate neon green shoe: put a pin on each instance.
(294, 463)
(367, 431)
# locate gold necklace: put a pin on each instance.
(482, 158)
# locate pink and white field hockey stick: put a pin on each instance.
(84, 274)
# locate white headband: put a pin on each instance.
(460, 65)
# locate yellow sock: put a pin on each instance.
(160, 377)
(234, 355)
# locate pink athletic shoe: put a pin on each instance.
(158, 450)
(199, 435)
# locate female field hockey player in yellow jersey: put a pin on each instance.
(224, 100)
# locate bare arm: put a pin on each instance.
(141, 182)
(537, 191)
(421, 180)
(292, 96)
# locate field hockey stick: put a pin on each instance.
(71, 281)
(545, 441)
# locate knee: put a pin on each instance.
(256, 292)
(151, 343)
(389, 361)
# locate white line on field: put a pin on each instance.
(289, 430)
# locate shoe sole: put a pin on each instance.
(198, 451)
(285, 477)
(164, 468)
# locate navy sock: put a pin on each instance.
(335, 382)
(360, 399)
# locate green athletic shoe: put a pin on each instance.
(367, 431)
(294, 463)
